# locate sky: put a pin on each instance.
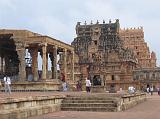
(58, 18)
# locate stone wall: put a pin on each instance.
(23, 108)
(130, 100)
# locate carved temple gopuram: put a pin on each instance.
(14, 44)
(111, 57)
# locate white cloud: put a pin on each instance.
(58, 18)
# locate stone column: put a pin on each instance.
(2, 64)
(65, 63)
(44, 61)
(22, 64)
(72, 66)
(34, 55)
(54, 63)
(47, 65)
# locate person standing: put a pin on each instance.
(0, 84)
(62, 77)
(148, 90)
(79, 86)
(64, 85)
(151, 90)
(158, 89)
(7, 83)
(88, 85)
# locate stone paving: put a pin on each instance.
(147, 110)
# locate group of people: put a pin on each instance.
(131, 89)
(7, 83)
(158, 90)
(150, 90)
(78, 85)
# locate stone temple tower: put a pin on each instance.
(133, 38)
(102, 55)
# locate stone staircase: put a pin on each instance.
(89, 103)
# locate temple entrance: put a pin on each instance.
(97, 80)
(112, 88)
(9, 62)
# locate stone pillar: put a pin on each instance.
(2, 64)
(44, 61)
(47, 65)
(72, 68)
(22, 64)
(52, 68)
(34, 55)
(65, 63)
(54, 63)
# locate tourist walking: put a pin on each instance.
(7, 83)
(64, 85)
(79, 85)
(0, 84)
(151, 90)
(62, 77)
(88, 85)
(148, 89)
(158, 89)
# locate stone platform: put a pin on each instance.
(21, 105)
(50, 85)
(147, 110)
(101, 102)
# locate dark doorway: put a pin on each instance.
(112, 88)
(113, 78)
(96, 80)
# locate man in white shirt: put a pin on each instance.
(7, 82)
(88, 85)
(151, 90)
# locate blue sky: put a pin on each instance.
(57, 18)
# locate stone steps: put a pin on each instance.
(94, 109)
(89, 103)
(91, 97)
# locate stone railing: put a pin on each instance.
(129, 100)
(22, 108)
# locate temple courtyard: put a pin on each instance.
(148, 109)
